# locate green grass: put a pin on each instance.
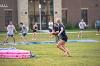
(83, 54)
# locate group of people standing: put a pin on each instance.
(23, 30)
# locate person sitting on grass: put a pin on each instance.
(10, 32)
(24, 31)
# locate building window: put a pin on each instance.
(46, 12)
(64, 15)
(8, 16)
(84, 14)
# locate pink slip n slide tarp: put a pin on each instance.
(14, 53)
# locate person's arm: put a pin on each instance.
(7, 28)
(15, 29)
(36, 26)
(62, 29)
(95, 25)
(79, 25)
(27, 29)
(33, 26)
(84, 24)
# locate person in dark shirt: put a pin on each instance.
(55, 29)
(97, 26)
(63, 38)
(34, 27)
(24, 31)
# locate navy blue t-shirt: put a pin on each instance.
(63, 34)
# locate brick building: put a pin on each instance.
(74, 11)
(30, 11)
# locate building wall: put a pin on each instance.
(8, 5)
(23, 12)
(74, 10)
(57, 9)
(20, 11)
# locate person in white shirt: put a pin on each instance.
(10, 32)
(82, 26)
(50, 24)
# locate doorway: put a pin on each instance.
(46, 12)
(84, 14)
(8, 16)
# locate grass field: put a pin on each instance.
(83, 54)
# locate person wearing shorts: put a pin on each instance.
(63, 38)
(24, 31)
(34, 28)
(82, 26)
(10, 32)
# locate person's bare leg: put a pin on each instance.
(67, 50)
(14, 40)
(24, 38)
(97, 32)
(79, 35)
(34, 34)
(59, 45)
(6, 40)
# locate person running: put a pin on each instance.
(82, 26)
(50, 24)
(63, 38)
(97, 26)
(10, 32)
(24, 30)
(34, 27)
